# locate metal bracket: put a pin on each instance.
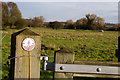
(76, 68)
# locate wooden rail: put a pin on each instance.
(99, 63)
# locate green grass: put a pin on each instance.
(5, 54)
(86, 44)
(108, 26)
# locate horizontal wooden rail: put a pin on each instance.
(95, 75)
(98, 63)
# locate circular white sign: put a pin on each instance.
(28, 44)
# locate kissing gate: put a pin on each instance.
(26, 48)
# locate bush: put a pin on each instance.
(90, 22)
(56, 25)
(116, 27)
(5, 27)
(38, 21)
(20, 23)
(69, 24)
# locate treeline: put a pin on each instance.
(89, 22)
(11, 15)
(12, 18)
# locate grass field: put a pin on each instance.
(86, 44)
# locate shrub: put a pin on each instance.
(69, 24)
(90, 22)
(38, 21)
(20, 23)
(56, 25)
(116, 27)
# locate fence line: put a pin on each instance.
(3, 37)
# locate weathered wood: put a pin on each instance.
(97, 63)
(63, 57)
(35, 61)
(96, 75)
(27, 67)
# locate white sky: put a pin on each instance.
(62, 11)
(61, 0)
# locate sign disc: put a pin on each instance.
(28, 44)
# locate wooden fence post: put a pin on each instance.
(26, 64)
(63, 57)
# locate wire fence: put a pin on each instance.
(10, 57)
(3, 37)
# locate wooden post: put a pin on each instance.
(26, 64)
(63, 57)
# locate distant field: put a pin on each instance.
(109, 26)
(86, 44)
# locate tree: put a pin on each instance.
(4, 14)
(94, 22)
(116, 27)
(56, 25)
(69, 24)
(81, 23)
(14, 13)
(20, 23)
(38, 21)
(90, 22)
(100, 23)
(29, 22)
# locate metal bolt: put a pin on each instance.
(98, 69)
(61, 68)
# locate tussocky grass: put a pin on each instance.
(86, 44)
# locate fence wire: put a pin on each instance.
(10, 58)
(3, 37)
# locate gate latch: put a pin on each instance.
(44, 58)
(47, 65)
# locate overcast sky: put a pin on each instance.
(61, 0)
(62, 11)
